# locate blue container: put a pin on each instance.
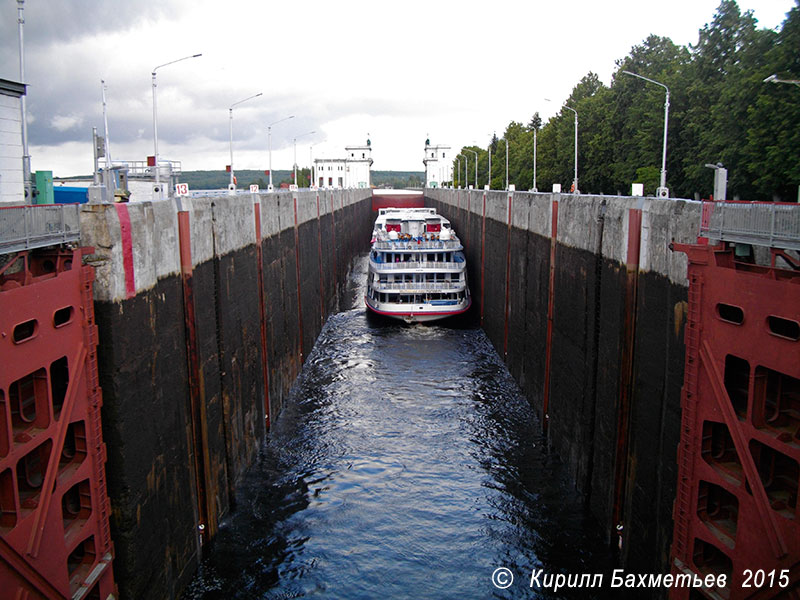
(70, 195)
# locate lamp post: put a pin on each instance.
(232, 184)
(535, 189)
(311, 165)
(26, 157)
(506, 164)
(269, 141)
(476, 165)
(662, 191)
(489, 183)
(575, 177)
(774, 79)
(458, 170)
(295, 153)
(155, 118)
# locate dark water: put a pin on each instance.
(407, 464)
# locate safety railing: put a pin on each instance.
(422, 286)
(418, 245)
(413, 264)
(37, 226)
(141, 168)
(763, 224)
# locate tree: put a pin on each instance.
(720, 110)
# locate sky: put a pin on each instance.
(396, 72)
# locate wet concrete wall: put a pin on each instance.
(206, 308)
(590, 323)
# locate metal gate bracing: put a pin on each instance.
(736, 511)
(54, 510)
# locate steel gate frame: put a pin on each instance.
(737, 512)
(54, 509)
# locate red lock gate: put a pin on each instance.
(736, 512)
(54, 530)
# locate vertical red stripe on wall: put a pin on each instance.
(127, 249)
(508, 279)
(483, 256)
(297, 271)
(550, 314)
(262, 311)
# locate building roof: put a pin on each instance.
(12, 88)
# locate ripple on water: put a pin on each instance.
(405, 464)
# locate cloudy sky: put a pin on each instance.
(398, 71)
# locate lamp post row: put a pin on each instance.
(231, 186)
(661, 192)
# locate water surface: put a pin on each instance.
(406, 464)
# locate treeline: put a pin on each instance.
(398, 179)
(218, 180)
(721, 111)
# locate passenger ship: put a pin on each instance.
(417, 269)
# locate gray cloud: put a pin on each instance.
(52, 21)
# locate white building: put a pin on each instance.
(438, 167)
(353, 171)
(12, 180)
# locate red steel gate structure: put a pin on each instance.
(54, 529)
(736, 511)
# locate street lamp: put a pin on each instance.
(269, 139)
(155, 118)
(295, 153)
(476, 166)
(575, 177)
(774, 79)
(489, 183)
(232, 184)
(662, 191)
(458, 170)
(535, 189)
(506, 164)
(26, 157)
(311, 165)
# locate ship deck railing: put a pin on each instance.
(412, 265)
(420, 286)
(417, 245)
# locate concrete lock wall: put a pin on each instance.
(181, 357)
(609, 373)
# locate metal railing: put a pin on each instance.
(37, 226)
(421, 286)
(761, 224)
(413, 264)
(414, 245)
(140, 169)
